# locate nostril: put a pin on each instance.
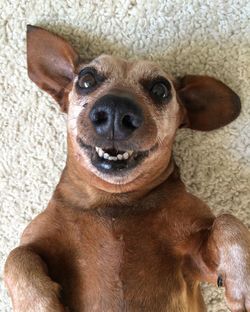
(116, 117)
(131, 122)
(100, 118)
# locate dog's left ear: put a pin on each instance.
(51, 63)
(208, 103)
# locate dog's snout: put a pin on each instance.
(116, 117)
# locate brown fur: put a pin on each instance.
(137, 242)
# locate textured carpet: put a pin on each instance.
(208, 37)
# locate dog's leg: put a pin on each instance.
(227, 252)
(28, 283)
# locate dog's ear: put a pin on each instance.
(208, 103)
(51, 63)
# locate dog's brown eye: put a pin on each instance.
(87, 81)
(160, 90)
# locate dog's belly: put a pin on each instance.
(115, 267)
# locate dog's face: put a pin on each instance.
(123, 116)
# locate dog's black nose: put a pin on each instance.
(115, 117)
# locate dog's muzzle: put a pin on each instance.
(115, 118)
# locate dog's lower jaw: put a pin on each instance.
(85, 174)
(78, 185)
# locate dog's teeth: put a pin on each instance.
(100, 152)
(125, 155)
(106, 156)
(119, 156)
(112, 158)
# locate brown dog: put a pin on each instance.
(121, 233)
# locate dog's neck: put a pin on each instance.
(76, 191)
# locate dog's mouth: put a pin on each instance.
(113, 161)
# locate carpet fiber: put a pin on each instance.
(199, 37)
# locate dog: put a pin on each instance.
(121, 232)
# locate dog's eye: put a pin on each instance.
(160, 90)
(87, 81)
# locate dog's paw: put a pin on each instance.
(237, 290)
(232, 241)
(47, 306)
(237, 300)
(33, 299)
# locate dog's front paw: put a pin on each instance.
(30, 287)
(230, 241)
(238, 294)
(33, 296)
(33, 300)
(236, 279)
(45, 305)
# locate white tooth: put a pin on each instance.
(100, 152)
(112, 158)
(125, 155)
(106, 156)
(97, 149)
(119, 156)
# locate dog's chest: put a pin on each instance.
(123, 265)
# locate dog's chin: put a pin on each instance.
(113, 163)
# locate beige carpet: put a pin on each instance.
(208, 37)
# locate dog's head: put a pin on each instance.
(123, 116)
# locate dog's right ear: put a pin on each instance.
(51, 63)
